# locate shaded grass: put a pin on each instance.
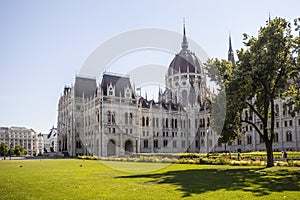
(80, 179)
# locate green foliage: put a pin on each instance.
(3, 149)
(19, 150)
(265, 71)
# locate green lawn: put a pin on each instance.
(82, 179)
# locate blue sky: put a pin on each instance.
(44, 43)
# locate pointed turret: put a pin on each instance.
(230, 52)
(184, 44)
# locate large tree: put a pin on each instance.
(3, 149)
(266, 70)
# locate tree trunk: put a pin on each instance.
(270, 158)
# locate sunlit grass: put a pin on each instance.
(83, 179)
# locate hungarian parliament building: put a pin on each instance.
(111, 119)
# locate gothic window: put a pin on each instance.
(145, 143)
(289, 136)
(127, 94)
(246, 115)
(155, 143)
(276, 110)
(183, 144)
(126, 118)
(174, 144)
(113, 117)
(167, 122)
(153, 122)
(147, 121)
(110, 91)
(143, 121)
(108, 116)
(239, 141)
(157, 122)
(249, 139)
(130, 118)
(165, 143)
(175, 123)
(261, 139)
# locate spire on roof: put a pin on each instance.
(184, 44)
(269, 17)
(230, 52)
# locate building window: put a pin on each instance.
(239, 141)
(261, 139)
(130, 118)
(146, 143)
(143, 121)
(165, 143)
(113, 117)
(285, 123)
(155, 143)
(108, 116)
(183, 144)
(174, 144)
(110, 91)
(289, 136)
(249, 139)
(291, 122)
(276, 110)
(126, 118)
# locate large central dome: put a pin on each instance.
(185, 61)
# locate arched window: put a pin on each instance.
(143, 121)
(276, 110)
(246, 115)
(126, 118)
(155, 143)
(113, 117)
(249, 139)
(167, 123)
(108, 116)
(147, 121)
(289, 136)
(130, 118)
(261, 139)
(153, 122)
(145, 143)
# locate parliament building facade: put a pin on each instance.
(111, 119)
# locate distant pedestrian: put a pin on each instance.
(285, 155)
(239, 156)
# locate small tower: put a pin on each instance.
(230, 52)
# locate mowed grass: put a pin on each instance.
(82, 179)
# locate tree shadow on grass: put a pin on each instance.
(197, 181)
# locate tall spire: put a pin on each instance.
(184, 44)
(269, 17)
(230, 52)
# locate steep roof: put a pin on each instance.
(86, 86)
(117, 81)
